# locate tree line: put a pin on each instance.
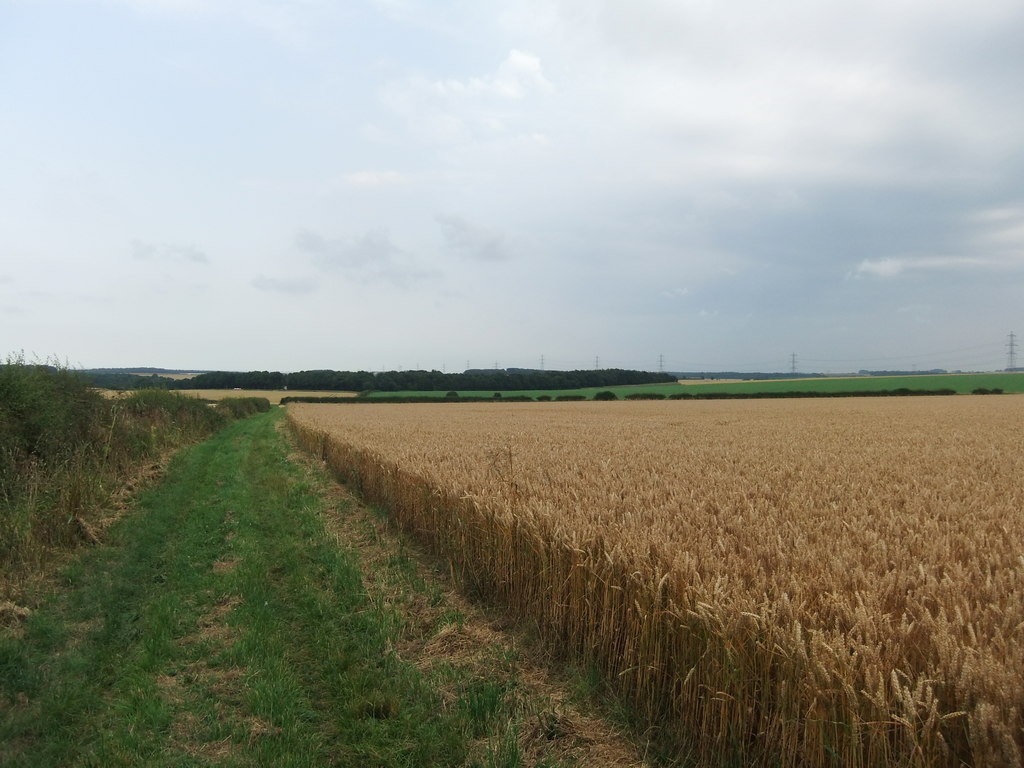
(420, 381)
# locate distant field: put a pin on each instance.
(172, 376)
(963, 383)
(273, 395)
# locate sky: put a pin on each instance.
(441, 184)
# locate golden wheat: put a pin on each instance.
(773, 582)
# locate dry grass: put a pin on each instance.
(784, 582)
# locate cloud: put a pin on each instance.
(990, 239)
(283, 285)
(375, 179)
(471, 241)
(518, 75)
(455, 110)
(1001, 230)
(867, 91)
(6, 279)
(142, 251)
(675, 293)
(891, 267)
(368, 258)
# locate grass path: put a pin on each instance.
(248, 613)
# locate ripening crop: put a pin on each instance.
(796, 582)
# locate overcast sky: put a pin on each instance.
(383, 184)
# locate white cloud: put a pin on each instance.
(375, 178)
(804, 91)
(455, 110)
(675, 293)
(881, 267)
(518, 75)
(1001, 229)
(891, 267)
(168, 252)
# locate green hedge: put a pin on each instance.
(64, 449)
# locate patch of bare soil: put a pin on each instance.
(226, 566)
(441, 627)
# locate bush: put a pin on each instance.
(64, 449)
(570, 398)
(606, 394)
(544, 398)
(451, 395)
(46, 411)
(645, 396)
(242, 407)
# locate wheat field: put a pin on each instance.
(775, 582)
(273, 395)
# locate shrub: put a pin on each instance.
(645, 396)
(452, 394)
(64, 449)
(606, 394)
(241, 407)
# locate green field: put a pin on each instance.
(963, 383)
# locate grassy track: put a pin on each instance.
(223, 624)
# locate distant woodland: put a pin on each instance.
(513, 379)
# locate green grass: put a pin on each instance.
(221, 624)
(961, 383)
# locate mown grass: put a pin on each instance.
(221, 624)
